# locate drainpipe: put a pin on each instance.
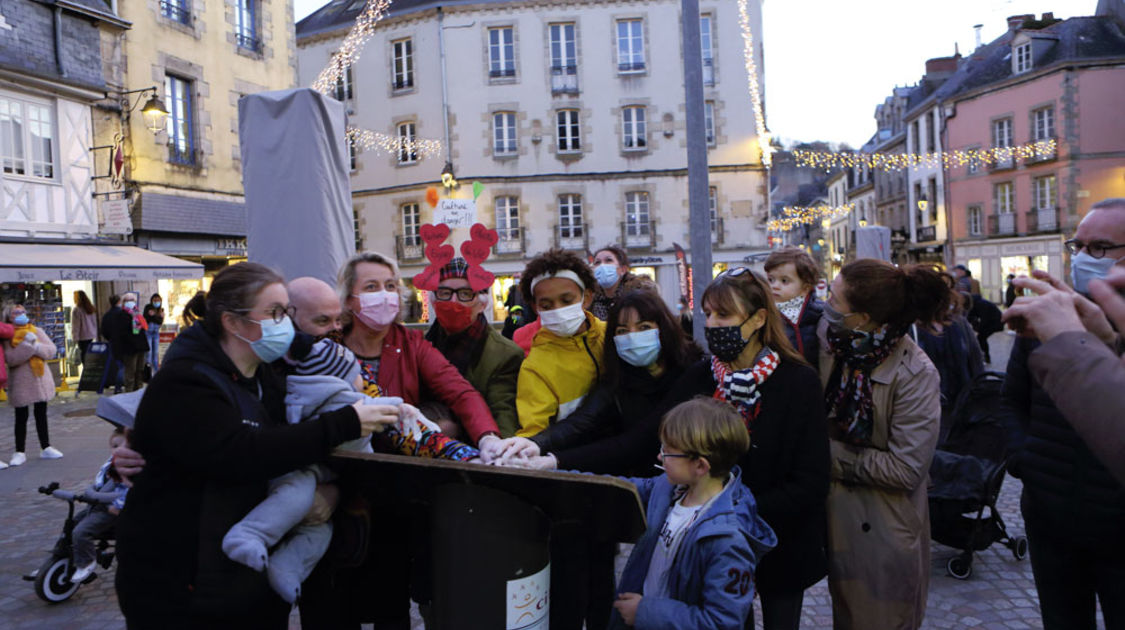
(444, 86)
(950, 243)
(58, 41)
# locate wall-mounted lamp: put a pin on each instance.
(154, 111)
(447, 178)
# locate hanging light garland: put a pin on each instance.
(948, 159)
(796, 216)
(755, 91)
(367, 140)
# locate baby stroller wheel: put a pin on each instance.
(52, 582)
(960, 567)
(1019, 547)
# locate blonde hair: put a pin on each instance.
(346, 278)
(705, 427)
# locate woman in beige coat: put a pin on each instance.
(884, 411)
(29, 380)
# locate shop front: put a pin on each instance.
(992, 261)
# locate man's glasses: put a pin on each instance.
(445, 294)
(277, 313)
(1097, 249)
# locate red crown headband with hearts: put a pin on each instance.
(474, 251)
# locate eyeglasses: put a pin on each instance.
(1097, 249)
(664, 455)
(277, 313)
(463, 294)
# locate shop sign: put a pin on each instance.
(95, 274)
(115, 216)
(231, 246)
(1023, 249)
(646, 260)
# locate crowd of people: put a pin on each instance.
(795, 446)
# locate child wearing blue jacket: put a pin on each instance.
(694, 566)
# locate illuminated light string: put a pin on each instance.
(752, 77)
(367, 140)
(947, 159)
(793, 217)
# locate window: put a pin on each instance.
(916, 137)
(508, 218)
(501, 52)
(1003, 198)
(633, 128)
(402, 52)
(630, 46)
(636, 214)
(411, 224)
(1022, 58)
(1002, 132)
(407, 152)
(568, 131)
(27, 138)
(246, 25)
(564, 58)
(504, 133)
(343, 90)
(931, 142)
(709, 122)
(972, 166)
(353, 151)
(570, 216)
(1043, 123)
(1045, 189)
(181, 120)
(705, 40)
(713, 206)
(176, 10)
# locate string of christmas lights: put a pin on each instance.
(796, 216)
(353, 44)
(947, 159)
(755, 91)
(367, 140)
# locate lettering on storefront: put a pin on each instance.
(78, 274)
(1022, 249)
(231, 246)
(646, 260)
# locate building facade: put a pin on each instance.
(891, 198)
(570, 115)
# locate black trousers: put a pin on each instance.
(779, 611)
(40, 426)
(83, 345)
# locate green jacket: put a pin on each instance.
(494, 374)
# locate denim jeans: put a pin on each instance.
(154, 348)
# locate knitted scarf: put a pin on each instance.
(463, 348)
(741, 388)
(848, 394)
(35, 362)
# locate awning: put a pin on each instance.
(32, 262)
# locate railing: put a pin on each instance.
(564, 79)
(574, 237)
(248, 42)
(1046, 156)
(409, 247)
(717, 231)
(926, 233)
(1043, 220)
(631, 66)
(175, 11)
(1003, 224)
(708, 71)
(638, 235)
(1002, 164)
(512, 241)
(502, 72)
(505, 148)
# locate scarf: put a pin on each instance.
(791, 309)
(848, 394)
(741, 388)
(35, 362)
(139, 323)
(463, 348)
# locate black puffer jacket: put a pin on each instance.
(1064, 484)
(803, 334)
(212, 439)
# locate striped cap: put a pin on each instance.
(328, 358)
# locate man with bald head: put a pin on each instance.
(317, 306)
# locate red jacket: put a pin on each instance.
(409, 362)
(7, 331)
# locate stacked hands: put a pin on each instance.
(1056, 308)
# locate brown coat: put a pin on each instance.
(1086, 381)
(24, 388)
(878, 515)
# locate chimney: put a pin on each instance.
(976, 29)
(1049, 17)
(1016, 21)
(939, 65)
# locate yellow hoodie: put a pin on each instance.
(557, 374)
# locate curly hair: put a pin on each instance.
(550, 262)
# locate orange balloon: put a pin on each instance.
(432, 197)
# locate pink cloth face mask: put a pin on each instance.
(377, 309)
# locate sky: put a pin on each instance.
(828, 63)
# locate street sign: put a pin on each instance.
(115, 216)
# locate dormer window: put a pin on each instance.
(1021, 58)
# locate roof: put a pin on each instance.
(193, 215)
(342, 13)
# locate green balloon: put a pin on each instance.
(477, 189)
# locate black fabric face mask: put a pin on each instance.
(726, 342)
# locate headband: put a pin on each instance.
(561, 273)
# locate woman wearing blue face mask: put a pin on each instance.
(611, 271)
(30, 386)
(211, 427)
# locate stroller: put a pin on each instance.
(966, 475)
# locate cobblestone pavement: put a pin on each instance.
(999, 595)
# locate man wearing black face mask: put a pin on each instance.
(1073, 509)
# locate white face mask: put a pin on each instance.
(564, 321)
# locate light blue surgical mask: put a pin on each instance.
(639, 349)
(275, 341)
(21, 319)
(129, 305)
(606, 275)
(1084, 268)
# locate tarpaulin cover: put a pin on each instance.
(295, 174)
(873, 242)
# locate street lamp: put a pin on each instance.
(923, 203)
(447, 178)
(153, 110)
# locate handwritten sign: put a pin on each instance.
(529, 604)
(115, 216)
(456, 212)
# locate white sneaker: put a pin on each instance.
(82, 573)
(18, 459)
(3, 465)
(50, 453)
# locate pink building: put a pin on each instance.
(1042, 80)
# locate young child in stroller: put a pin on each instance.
(327, 378)
(99, 519)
